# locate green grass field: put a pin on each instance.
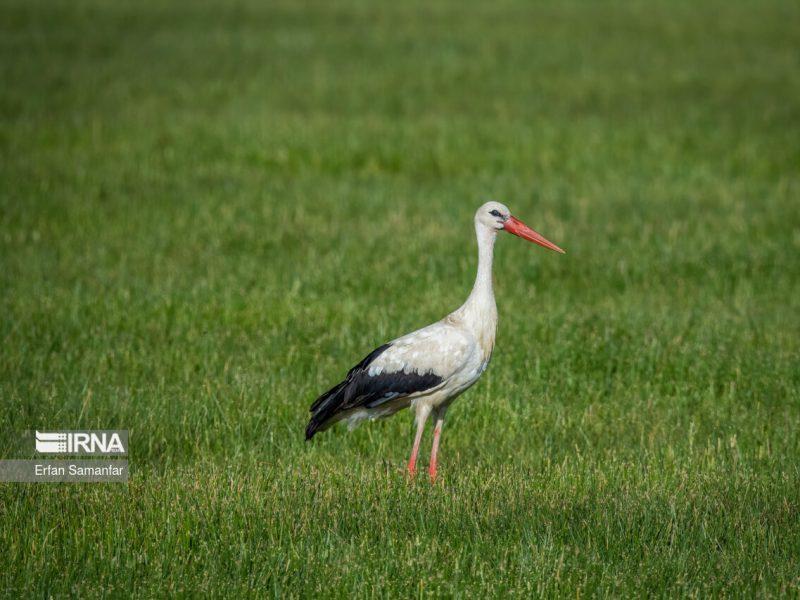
(209, 211)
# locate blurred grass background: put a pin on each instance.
(209, 211)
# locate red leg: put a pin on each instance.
(422, 416)
(437, 432)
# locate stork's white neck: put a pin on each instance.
(480, 302)
(479, 313)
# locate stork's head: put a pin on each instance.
(496, 216)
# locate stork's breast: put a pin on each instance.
(485, 338)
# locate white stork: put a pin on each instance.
(430, 367)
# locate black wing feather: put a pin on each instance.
(360, 389)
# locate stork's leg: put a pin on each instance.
(422, 416)
(437, 432)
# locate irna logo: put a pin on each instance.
(82, 442)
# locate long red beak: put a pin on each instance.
(517, 227)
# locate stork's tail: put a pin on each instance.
(324, 408)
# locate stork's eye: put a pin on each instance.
(495, 213)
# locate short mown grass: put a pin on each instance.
(209, 211)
